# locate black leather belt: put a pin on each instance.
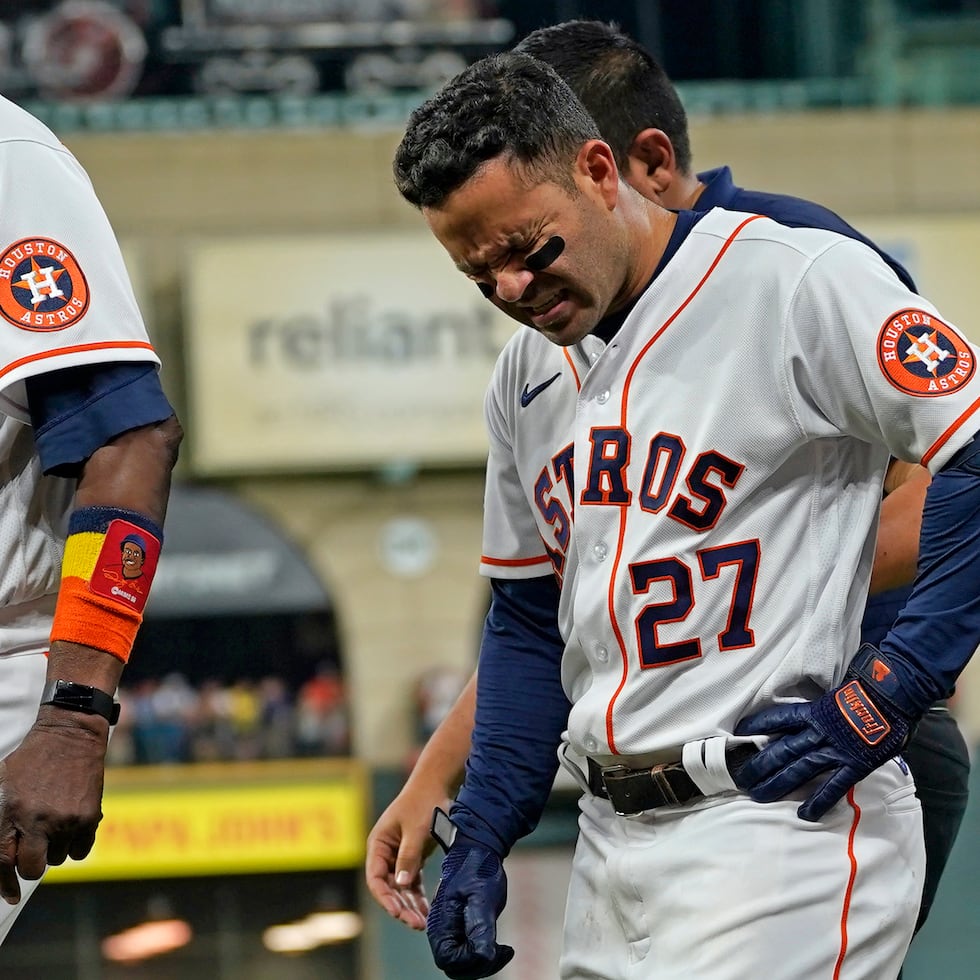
(632, 791)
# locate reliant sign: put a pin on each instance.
(335, 352)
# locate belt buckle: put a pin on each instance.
(617, 770)
(656, 777)
(659, 775)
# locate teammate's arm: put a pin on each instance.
(400, 842)
(52, 782)
(897, 550)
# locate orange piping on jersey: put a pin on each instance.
(77, 349)
(571, 364)
(515, 562)
(610, 738)
(850, 883)
(944, 438)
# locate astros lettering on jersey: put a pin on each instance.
(706, 487)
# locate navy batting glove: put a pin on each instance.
(462, 922)
(848, 733)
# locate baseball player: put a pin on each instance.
(642, 118)
(687, 451)
(88, 441)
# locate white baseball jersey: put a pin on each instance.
(707, 485)
(65, 300)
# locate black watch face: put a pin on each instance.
(75, 694)
(81, 697)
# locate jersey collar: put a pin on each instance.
(607, 327)
(719, 189)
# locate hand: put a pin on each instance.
(848, 733)
(50, 796)
(397, 847)
(462, 926)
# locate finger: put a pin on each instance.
(80, 846)
(9, 884)
(795, 775)
(776, 756)
(416, 906)
(411, 854)
(504, 955)
(480, 922)
(385, 896)
(32, 856)
(828, 795)
(775, 719)
(413, 919)
(412, 908)
(379, 876)
(464, 965)
(450, 953)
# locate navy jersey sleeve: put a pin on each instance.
(77, 410)
(521, 712)
(797, 213)
(936, 632)
(720, 191)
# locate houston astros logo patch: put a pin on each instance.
(42, 287)
(920, 354)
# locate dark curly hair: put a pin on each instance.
(618, 81)
(509, 105)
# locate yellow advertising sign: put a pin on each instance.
(227, 819)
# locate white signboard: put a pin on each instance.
(346, 351)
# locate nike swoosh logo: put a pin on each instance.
(528, 396)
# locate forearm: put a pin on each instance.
(939, 628)
(897, 548)
(440, 765)
(132, 472)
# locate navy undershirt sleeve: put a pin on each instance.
(881, 611)
(77, 410)
(936, 633)
(521, 712)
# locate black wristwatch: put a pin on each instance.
(81, 697)
(443, 830)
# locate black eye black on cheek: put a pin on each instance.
(486, 289)
(548, 253)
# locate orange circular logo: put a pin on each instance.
(42, 287)
(923, 356)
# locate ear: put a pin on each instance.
(652, 164)
(596, 171)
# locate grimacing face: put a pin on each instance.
(494, 222)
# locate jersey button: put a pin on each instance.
(600, 551)
(601, 654)
(602, 397)
(590, 744)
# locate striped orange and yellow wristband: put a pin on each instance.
(111, 555)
